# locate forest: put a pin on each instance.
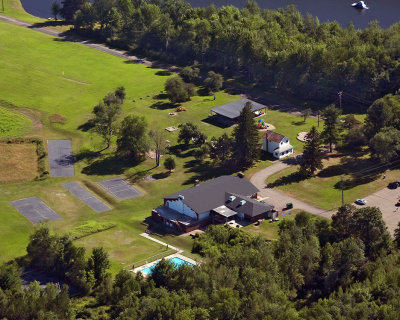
(347, 268)
(273, 50)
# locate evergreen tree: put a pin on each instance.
(332, 126)
(312, 156)
(246, 146)
(169, 164)
(55, 9)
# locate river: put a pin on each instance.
(386, 12)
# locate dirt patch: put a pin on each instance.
(18, 162)
(58, 118)
(36, 122)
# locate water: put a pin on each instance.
(176, 261)
(386, 12)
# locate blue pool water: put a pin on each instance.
(176, 261)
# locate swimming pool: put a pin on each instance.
(175, 260)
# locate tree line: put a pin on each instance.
(347, 268)
(272, 48)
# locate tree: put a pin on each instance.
(55, 9)
(246, 147)
(355, 138)
(132, 137)
(106, 114)
(202, 152)
(385, 145)
(332, 126)
(190, 73)
(397, 236)
(384, 112)
(350, 122)
(189, 131)
(221, 149)
(311, 159)
(213, 82)
(69, 7)
(169, 164)
(85, 17)
(99, 263)
(177, 90)
(157, 136)
(306, 113)
(368, 225)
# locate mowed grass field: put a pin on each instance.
(323, 189)
(49, 76)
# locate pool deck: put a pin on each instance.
(175, 255)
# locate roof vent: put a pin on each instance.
(242, 202)
(181, 197)
(231, 198)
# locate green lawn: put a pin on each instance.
(13, 124)
(47, 76)
(13, 8)
(323, 189)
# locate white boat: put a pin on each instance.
(360, 5)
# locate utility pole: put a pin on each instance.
(318, 117)
(2, 5)
(340, 93)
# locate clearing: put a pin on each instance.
(18, 162)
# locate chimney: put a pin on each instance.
(196, 182)
(240, 175)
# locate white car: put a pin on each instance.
(361, 201)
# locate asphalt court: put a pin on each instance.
(61, 160)
(85, 196)
(35, 210)
(119, 188)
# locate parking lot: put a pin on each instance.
(386, 200)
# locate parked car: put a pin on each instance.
(394, 185)
(398, 203)
(361, 201)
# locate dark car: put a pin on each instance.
(394, 185)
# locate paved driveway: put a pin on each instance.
(385, 200)
(278, 198)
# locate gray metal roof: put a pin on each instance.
(232, 110)
(251, 207)
(211, 194)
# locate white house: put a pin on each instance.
(277, 144)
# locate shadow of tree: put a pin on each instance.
(294, 177)
(49, 23)
(161, 96)
(163, 73)
(298, 123)
(163, 105)
(205, 170)
(85, 127)
(108, 165)
(181, 151)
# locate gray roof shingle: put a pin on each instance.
(211, 194)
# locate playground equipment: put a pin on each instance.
(261, 124)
